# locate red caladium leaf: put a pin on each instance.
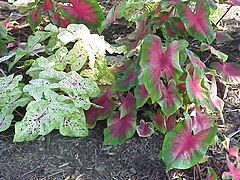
(119, 129)
(233, 173)
(159, 121)
(157, 62)
(170, 122)
(47, 5)
(34, 18)
(127, 78)
(182, 149)
(58, 20)
(107, 106)
(196, 62)
(197, 24)
(216, 101)
(171, 99)
(230, 72)
(195, 91)
(200, 120)
(162, 17)
(84, 11)
(128, 104)
(211, 174)
(141, 95)
(145, 129)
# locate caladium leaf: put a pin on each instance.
(47, 5)
(141, 95)
(127, 78)
(34, 18)
(145, 129)
(196, 62)
(84, 11)
(59, 20)
(162, 17)
(200, 120)
(217, 53)
(128, 104)
(157, 62)
(216, 101)
(119, 129)
(74, 125)
(171, 99)
(197, 24)
(182, 149)
(230, 72)
(195, 91)
(233, 173)
(211, 174)
(159, 122)
(107, 106)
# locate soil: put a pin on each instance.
(58, 157)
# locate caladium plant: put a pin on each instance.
(72, 11)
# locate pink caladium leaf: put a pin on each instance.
(171, 99)
(145, 129)
(211, 174)
(119, 129)
(216, 101)
(197, 23)
(107, 106)
(222, 37)
(34, 18)
(127, 78)
(47, 5)
(200, 120)
(182, 149)
(196, 62)
(141, 95)
(84, 11)
(162, 17)
(59, 20)
(128, 104)
(156, 62)
(230, 72)
(159, 121)
(195, 91)
(234, 171)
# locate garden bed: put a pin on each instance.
(58, 157)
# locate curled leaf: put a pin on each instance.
(145, 129)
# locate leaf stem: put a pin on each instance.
(215, 25)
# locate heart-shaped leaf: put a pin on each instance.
(182, 149)
(119, 129)
(128, 104)
(34, 18)
(107, 106)
(230, 72)
(197, 24)
(157, 62)
(84, 11)
(233, 173)
(141, 95)
(200, 120)
(195, 91)
(159, 122)
(171, 99)
(47, 5)
(196, 62)
(145, 129)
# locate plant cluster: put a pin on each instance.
(163, 84)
